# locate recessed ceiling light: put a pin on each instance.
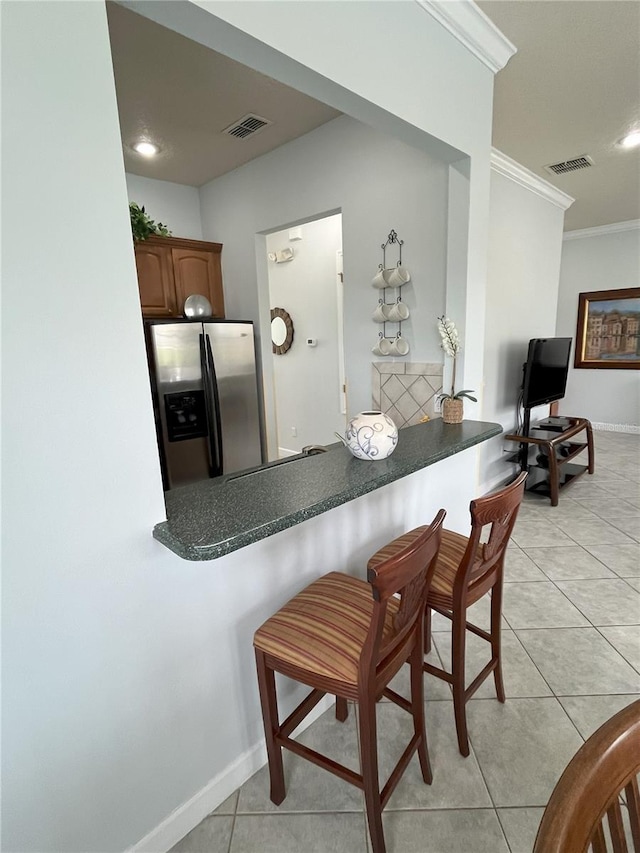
(147, 149)
(631, 139)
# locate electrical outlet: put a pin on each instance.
(437, 405)
(294, 431)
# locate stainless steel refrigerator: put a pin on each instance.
(205, 398)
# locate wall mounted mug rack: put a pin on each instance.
(391, 312)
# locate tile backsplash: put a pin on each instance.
(406, 391)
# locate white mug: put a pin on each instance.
(381, 314)
(381, 278)
(399, 276)
(398, 312)
(399, 346)
(383, 347)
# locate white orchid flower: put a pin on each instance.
(451, 346)
(449, 335)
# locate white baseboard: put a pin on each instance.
(632, 429)
(187, 816)
(285, 451)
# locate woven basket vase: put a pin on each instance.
(452, 411)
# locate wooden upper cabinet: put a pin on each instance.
(155, 280)
(198, 271)
(171, 268)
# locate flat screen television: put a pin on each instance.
(545, 371)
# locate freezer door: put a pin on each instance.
(234, 365)
(181, 404)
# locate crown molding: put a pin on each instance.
(469, 24)
(599, 230)
(510, 169)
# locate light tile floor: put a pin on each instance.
(571, 651)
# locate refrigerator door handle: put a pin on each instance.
(214, 467)
(213, 382)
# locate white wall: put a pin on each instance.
(307, 386)
(378, 184)
(525, 241)
(128, 680)
(85, 665)
(600, 261)
(175, 205)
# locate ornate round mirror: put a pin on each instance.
(281, 331)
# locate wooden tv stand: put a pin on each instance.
(555, 445)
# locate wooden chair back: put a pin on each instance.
(407, 573)
(482, 561)
(588, 793)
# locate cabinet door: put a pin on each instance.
(198, 271)
(155, 280)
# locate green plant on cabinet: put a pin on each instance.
(143, 226)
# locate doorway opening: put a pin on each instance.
(305, 280)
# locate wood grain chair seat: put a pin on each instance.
(349, 638)
(467, 569)
(584, 811)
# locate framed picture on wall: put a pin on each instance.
(608, 333)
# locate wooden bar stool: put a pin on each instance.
(466, 570)
(584, 808)
(347, 637)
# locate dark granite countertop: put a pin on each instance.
(214, 517)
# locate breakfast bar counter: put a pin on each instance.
(215, 517)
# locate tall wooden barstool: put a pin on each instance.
(466, 570)
(584, 811)
(347, 637)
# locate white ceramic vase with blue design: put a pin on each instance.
(371, 435)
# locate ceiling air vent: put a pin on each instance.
(582, 162)
(249, 125)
